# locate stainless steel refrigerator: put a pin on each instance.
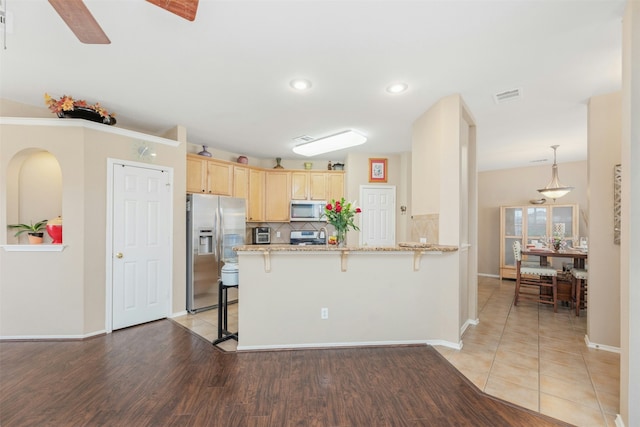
(215, 224)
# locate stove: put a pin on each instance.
(306, 237)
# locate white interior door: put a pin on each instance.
(378, 221)
(141, 245)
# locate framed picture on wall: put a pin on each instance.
(377, 170)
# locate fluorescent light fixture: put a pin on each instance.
(397, 87)
(339, 141)
(300, 84)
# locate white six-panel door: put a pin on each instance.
(378, 221)
(141, 245)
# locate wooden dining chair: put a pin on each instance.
(579, 278)
(536, 278)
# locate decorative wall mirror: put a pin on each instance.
(617, 206)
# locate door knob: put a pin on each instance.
(119, 255)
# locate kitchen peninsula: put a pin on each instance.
(325, 296)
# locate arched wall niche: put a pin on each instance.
(34, 190)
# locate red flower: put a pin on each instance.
(338, 208)
(358, 210)
(328, 207)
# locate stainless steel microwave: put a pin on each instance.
(307, 210)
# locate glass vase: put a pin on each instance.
(341, 236)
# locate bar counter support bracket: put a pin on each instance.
(343, 261)
(417, 256)
(267, 261)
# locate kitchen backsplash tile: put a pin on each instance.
(285, 229)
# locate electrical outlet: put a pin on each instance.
(324, 313)
(277, 234)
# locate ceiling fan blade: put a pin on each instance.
(184, 8)
(78, 18)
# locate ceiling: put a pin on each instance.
(225, 76)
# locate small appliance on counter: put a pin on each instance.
(261, 235)
(306, 237)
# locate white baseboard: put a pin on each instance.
(347, 344)
(50, 337)
(178, 314)
(619, 422)
(467, 323)
(601, 346)
(497, 276)
(455, 346)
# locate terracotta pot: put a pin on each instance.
(35, 238)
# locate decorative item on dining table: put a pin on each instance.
(340, 214)
(67, 107)
(558, 242)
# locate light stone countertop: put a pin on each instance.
(402, 247)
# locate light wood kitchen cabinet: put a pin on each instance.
(241, 182)
(219, 178)
(256, 201)
(528, 224)
(277, 196)
(196, 174)
(335, 185)
(318, 185)
(268, 192)
(209, 176)
(299, 185)
(315, 185)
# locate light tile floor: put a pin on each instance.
(538, 359)
(527, 355)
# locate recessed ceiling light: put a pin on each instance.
(397, 87)
(300, 84)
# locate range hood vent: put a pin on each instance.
(507, 95)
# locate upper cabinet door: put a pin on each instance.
(219, 178)
(318, 185)
(196, 175)
(277, 189)
(299, 185)
(241, 182)
(256, 195)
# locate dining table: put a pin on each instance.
(579, 256)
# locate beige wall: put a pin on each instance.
(444, 175)
(357, 174)
(604, 145)
(63, 293)
(630, 248)
(516, 187)
(424, 301)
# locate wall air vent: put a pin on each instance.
(507, 95)
(302, 139)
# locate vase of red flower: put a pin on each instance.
(341, 214)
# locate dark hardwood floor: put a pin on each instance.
(160, 374)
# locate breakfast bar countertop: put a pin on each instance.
(401, 247)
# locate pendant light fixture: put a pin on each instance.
(554, 190)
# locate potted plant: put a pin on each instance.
(35, 231)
